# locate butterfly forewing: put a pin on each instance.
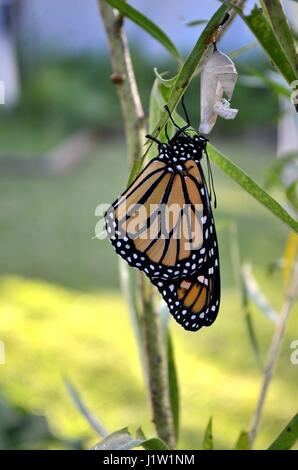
(157, 224)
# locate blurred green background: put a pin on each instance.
(61, 311)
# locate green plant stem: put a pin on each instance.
(274, 351)
(124, 78)
(135, 129)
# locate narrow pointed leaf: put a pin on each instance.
(123, 440)
(243, 442)
(248, 320)
(262, 29)
(196, 23)
(208, 437)
(253, 337)
(154, 443)
(263, 79)
(159, 96)
(118, 440)
(151, 28)
(282, 30)
(92, 420)
(242, 50)
(288, 437)
(251, 187)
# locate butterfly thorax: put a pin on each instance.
(180, 149)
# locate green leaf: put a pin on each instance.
(262, 29)
(243, 442)
(167, 82)
(274, 176)
(123, 440)
(151, 28)
(282, 31)
(196, 23)
(193, 62)
(251, 187)
(173, 386)
(208, 437)
(160, 92)
(154, 443)
(242, 50)
(159, 96)
(249, 322)
(292, 194)
(288, 437)
(264, 79)
(118, 440)
(253, 337)
(92, 420)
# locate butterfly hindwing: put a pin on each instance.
(194, 300)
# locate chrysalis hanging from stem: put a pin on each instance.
(218, 77)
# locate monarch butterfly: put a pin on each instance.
(163, 225)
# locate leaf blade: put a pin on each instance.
(262, 29)
(208, 437)
(282, 30)
(288, 437)
(243, 442)
(123, 440)
(251, 187)
(118, 440)
(90, 418)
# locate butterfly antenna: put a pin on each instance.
(185, 112)
(148, 136)
(166, 132)
(210, 180)
(170, 116)
(181, 130)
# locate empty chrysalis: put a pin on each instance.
(218, 77)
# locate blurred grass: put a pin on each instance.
(61, 313)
